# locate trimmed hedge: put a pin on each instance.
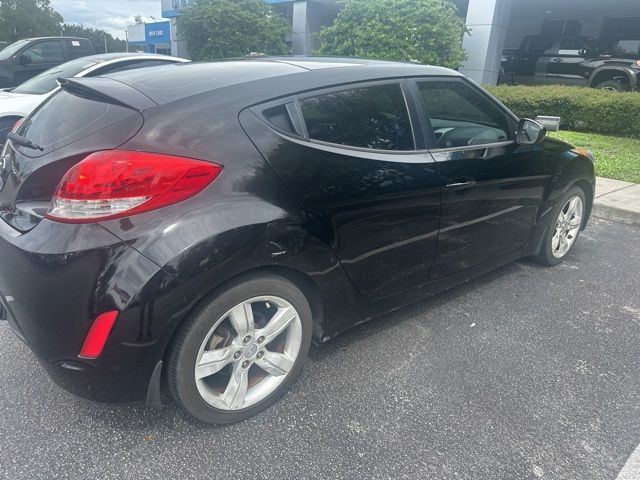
(581, 109)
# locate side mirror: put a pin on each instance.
(24, 59)
(530, 132)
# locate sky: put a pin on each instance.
(112, 16)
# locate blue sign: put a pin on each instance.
(157, 33)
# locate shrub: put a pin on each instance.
(581, 109)
(425, 31)
(217, 29)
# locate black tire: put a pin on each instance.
(187, 341)
(613, 86)
(546, 257)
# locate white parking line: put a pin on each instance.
(631, 469)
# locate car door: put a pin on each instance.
(357, 170)
(492, 187)
(36, 58)
(531, 66)
(565, 66)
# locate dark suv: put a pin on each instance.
(26, 58)
(197, 225)
(583, 61)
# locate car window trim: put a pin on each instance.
(510, 118)
(408, 156)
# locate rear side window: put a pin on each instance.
(539, 44)
(460, 116)
(79, 48)
(373, 117)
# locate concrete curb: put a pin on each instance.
(618, 201)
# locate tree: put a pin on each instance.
(216, 29)
(27, 18)
(96, 36)
(425, 31)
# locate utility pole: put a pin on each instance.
(105, 44)
(126, 36)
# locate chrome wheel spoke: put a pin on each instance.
(241, 347)
(241, 317)
(212, 361)
(275, 364)
(234, 394)
(555, 241)
(278, 324)
(567, 227)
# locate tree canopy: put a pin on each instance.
(217, 29)
(28, 18)
(425, 31)
(96, 36)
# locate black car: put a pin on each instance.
(564, 60)
(27, 58)
(197, 226)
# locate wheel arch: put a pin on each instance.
(606, 73)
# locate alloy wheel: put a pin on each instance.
(248, 353)
(567, 226)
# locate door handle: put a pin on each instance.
(461, 184)
(557, 60)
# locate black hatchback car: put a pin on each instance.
(197, 226)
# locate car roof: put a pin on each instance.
(54, 38)
(173, 82)
(103, 57)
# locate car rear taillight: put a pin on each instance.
(116, 183)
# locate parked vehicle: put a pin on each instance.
(198, 225)
(27, 58)
(19, 102)
(570, 61)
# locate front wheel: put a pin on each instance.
(613, 86)
(241, 350)
(560, 238)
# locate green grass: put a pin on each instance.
(616, 157)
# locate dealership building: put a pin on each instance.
(494, 25)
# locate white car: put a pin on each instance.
(18, 102)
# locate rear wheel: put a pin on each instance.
(613, 86)
(564, 231)
(241, 350)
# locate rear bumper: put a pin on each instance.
(56, 279)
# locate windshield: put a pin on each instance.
(7, 52)
(46, 81)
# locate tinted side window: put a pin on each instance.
(45, 52)
(570, 46)
(369, 117)
(79, 48)
(460, 116)
(539, 44)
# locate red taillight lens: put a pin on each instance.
(98, 334)
(117, 183)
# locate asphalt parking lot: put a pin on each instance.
(527, 372)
